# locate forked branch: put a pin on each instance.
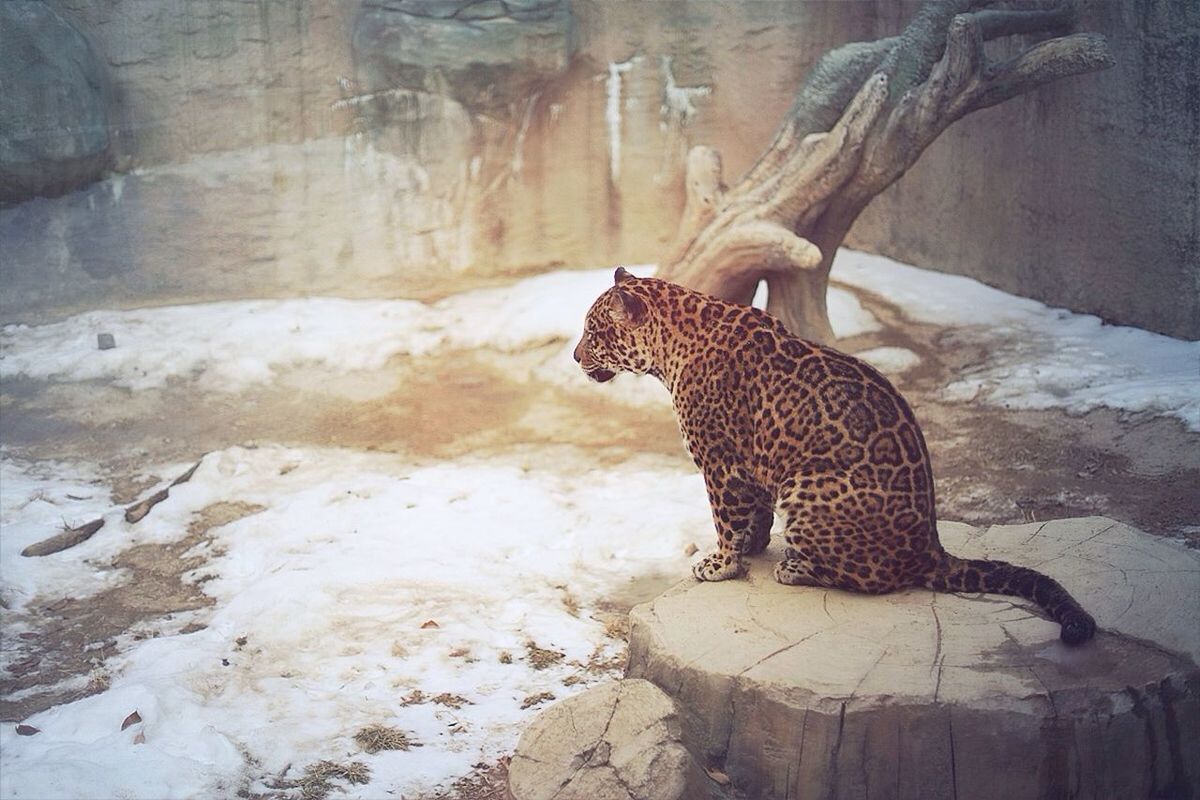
(863, 116)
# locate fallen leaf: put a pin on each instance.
(132, 719)
(140, 738)
(26, 730)
(429, 624)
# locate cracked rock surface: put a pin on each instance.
(802, 692)
(619, 741)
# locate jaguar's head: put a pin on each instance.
(615, 331)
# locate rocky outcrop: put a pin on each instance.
(488, 56)
(619, 741)
(54, 128)
(796, 692)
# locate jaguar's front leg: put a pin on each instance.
(736, 509)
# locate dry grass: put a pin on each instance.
(536, 699)
(374, 738)
(540, 658)
(317, 781)
(617, 627)
(487, 782)
(570, 602)
(451, 700)
(599, 663)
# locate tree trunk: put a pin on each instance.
(864, 115)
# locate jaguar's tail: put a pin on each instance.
(952, 574)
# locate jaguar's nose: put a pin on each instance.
(577, 355)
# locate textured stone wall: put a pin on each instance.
(1084, 194)
(54, 133)
(368, 147)
(204, 77)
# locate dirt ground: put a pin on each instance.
(992, 465)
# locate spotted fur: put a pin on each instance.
(774, 421)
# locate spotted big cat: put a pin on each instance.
(777, 422)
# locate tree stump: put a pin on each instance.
(810, 693)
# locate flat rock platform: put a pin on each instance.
(798, 692)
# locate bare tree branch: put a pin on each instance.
(1049, 61)
(863, 116)
(704, 189)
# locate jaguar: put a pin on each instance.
(776, 422)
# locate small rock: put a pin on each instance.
(106, 341)
(619, 741)
(27, 730)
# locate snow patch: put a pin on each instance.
(1039, 357)
(890, 360)
(366, 577)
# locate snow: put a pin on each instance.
(330, 586)
(40, 497)
(322, 598)
(1039, 357)
(890, 360)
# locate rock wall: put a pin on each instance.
(194, 78)
(53, 104)
(1084, 194)
(379, 146)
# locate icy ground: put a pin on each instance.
(444, 598)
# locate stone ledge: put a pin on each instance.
(799, 692)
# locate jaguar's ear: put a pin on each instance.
(630, 308)
(621, 275)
